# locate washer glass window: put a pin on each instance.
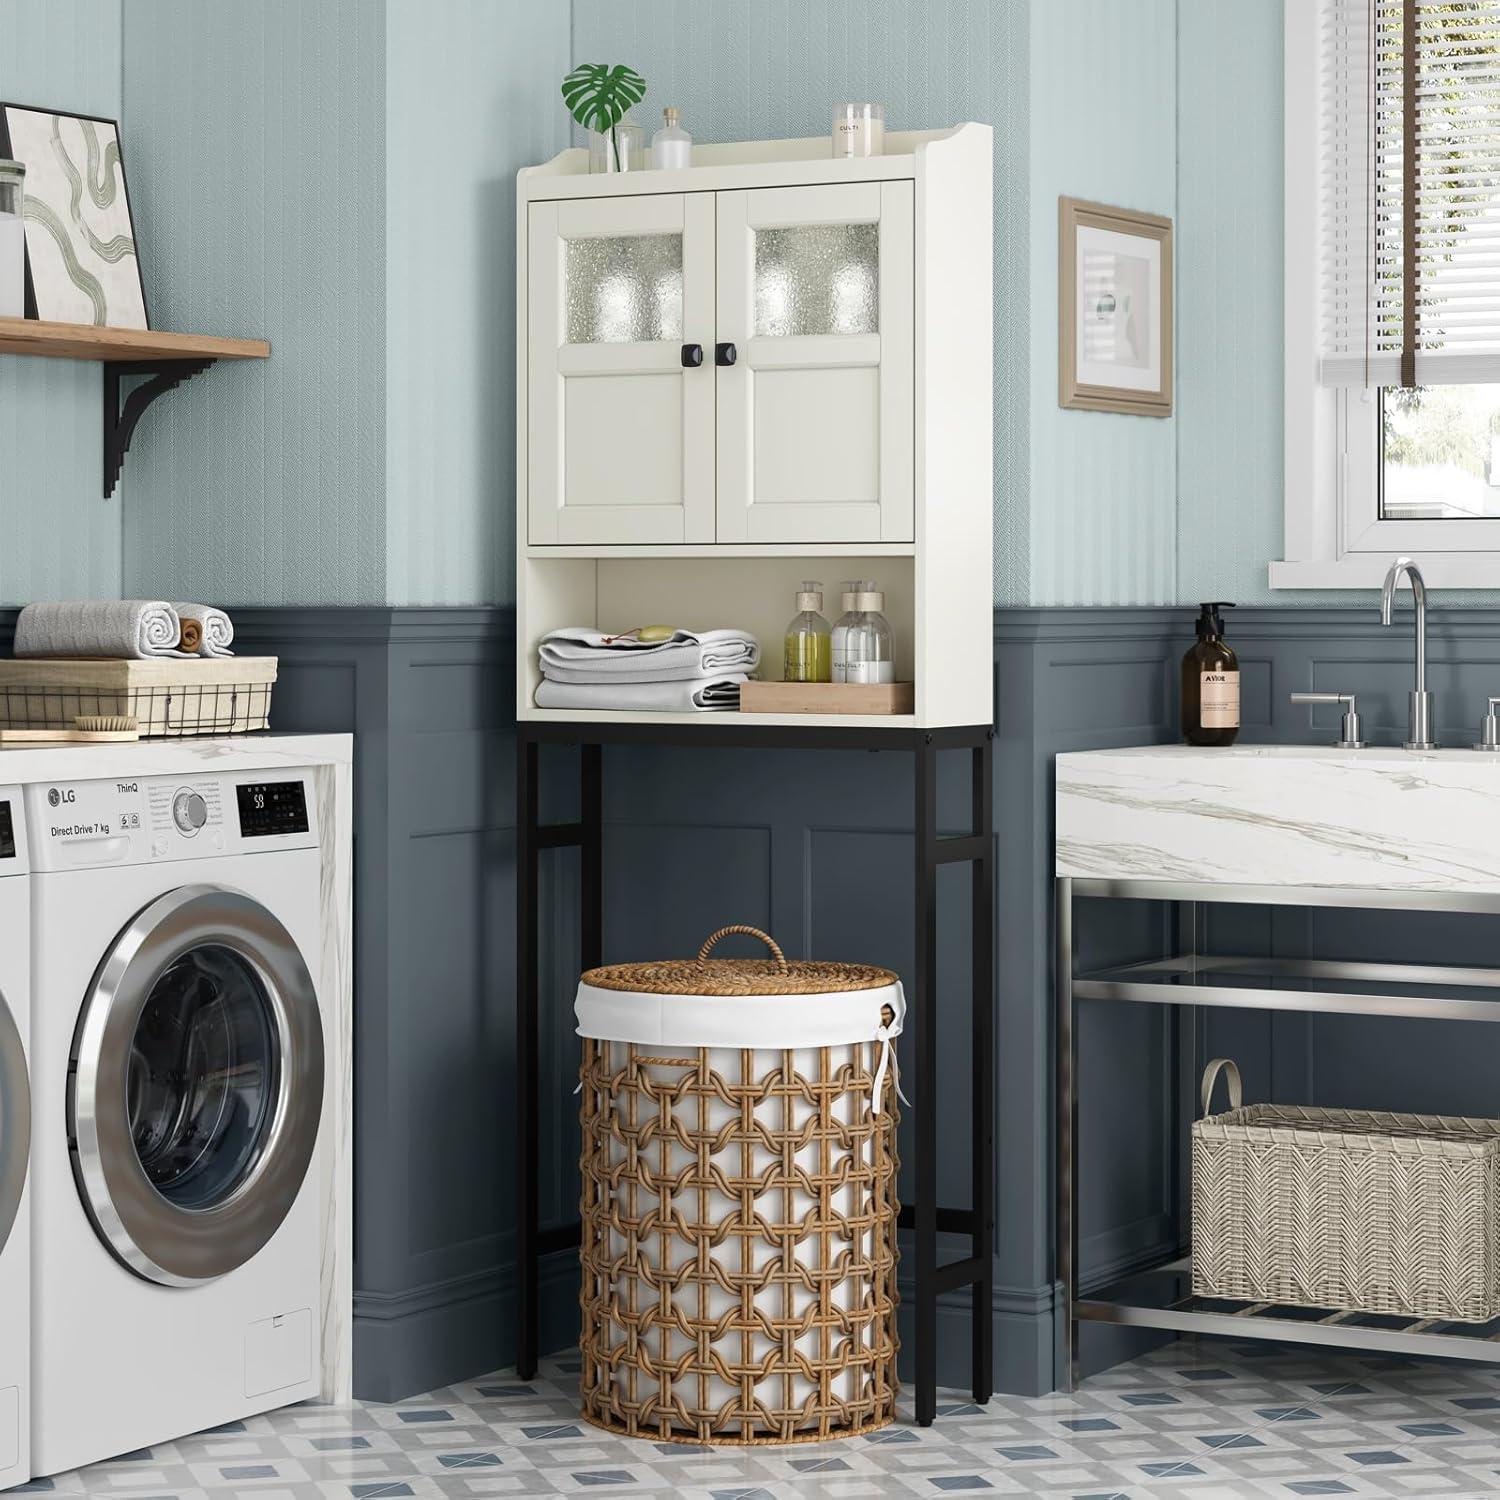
(204, 1072)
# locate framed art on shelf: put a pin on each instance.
(1114, 309)
(82, 264)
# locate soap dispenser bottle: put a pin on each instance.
(808, 654)
(1211, 683)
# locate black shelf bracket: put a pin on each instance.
(120, 417)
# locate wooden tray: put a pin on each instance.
(828, 698)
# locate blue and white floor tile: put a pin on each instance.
(1205, 1421)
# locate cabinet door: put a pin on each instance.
(816, 413)
(620, 430)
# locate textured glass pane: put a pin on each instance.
(626, 290)
(817, 278)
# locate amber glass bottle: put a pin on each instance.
(1211, 683)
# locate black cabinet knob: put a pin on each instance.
(725, 354)
(692, 356)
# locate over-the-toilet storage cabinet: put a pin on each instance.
(771, 365)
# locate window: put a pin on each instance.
(1392, 291)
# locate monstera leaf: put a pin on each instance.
(597, 96)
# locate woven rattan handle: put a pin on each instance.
(765, 937)
(1211, 1077)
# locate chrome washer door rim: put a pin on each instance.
(15, 1122)
(151, 1236)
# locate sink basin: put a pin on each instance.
(1381, 818)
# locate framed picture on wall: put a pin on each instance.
(1114, 282)
(81, 259)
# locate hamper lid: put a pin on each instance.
(681, 1003)
(739, 976)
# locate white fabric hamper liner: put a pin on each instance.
(739, 1209)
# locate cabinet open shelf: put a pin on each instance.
(164, 359)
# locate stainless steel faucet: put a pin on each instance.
(1419, 724)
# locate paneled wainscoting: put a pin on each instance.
(815, 847)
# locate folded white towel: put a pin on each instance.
(99, 627)
(580, 655)
(218, 628)
(695, 695)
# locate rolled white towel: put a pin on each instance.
(217, 628)
(99, 627)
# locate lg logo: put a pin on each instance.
(54, 796)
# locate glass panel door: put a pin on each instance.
(815, 414)
(620, 387)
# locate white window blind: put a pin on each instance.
(1410, 192)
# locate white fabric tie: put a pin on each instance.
(885, 1035)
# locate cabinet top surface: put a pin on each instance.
(730, 164)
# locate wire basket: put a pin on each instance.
(166, 698)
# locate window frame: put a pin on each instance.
(1334, 537)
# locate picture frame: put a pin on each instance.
(1115, 292)
(82, 255)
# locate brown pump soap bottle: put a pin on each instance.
(1211, 683)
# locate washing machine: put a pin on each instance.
(15, 1138)
(177, 1080)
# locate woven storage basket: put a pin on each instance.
(739, 1198)
(1349, 1210)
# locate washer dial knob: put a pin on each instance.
(189, 811)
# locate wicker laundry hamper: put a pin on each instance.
(739, 1198)
(1350, 1210)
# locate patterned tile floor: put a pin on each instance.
(1196, 1421)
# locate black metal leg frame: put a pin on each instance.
(975, 848)
(1161, 1296)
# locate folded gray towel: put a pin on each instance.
(99, 627)
(217, 627)
(697, 695)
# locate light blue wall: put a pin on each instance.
(1229, 308)
(1103, 127)
(471, 96)
(261, 209)
(287, 159)
(58, 536)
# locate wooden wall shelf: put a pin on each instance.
(165, 359)
(84, 341)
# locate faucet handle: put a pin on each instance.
(1489, 729)
(1351, 731)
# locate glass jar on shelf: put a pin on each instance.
(864, 648)
(622, 149)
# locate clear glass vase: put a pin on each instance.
(622, 149)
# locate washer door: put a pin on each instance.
(15, 1121)
(197, 1085)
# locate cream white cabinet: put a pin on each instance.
(771, 365)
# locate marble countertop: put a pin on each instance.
(238, 752)
(1381, 818)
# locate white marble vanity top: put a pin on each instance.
(1381, 818)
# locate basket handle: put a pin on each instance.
(765, 937)
(1231, 1074)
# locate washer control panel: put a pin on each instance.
(130, 820)
(270, 807)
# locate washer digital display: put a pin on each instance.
(7, 833)
(271, 807)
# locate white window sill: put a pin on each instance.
(1367, 570)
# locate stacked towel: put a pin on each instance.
(99, 627)
(205, 630)
(693, 671)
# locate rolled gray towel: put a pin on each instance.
(99, 627)
(217, 627)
